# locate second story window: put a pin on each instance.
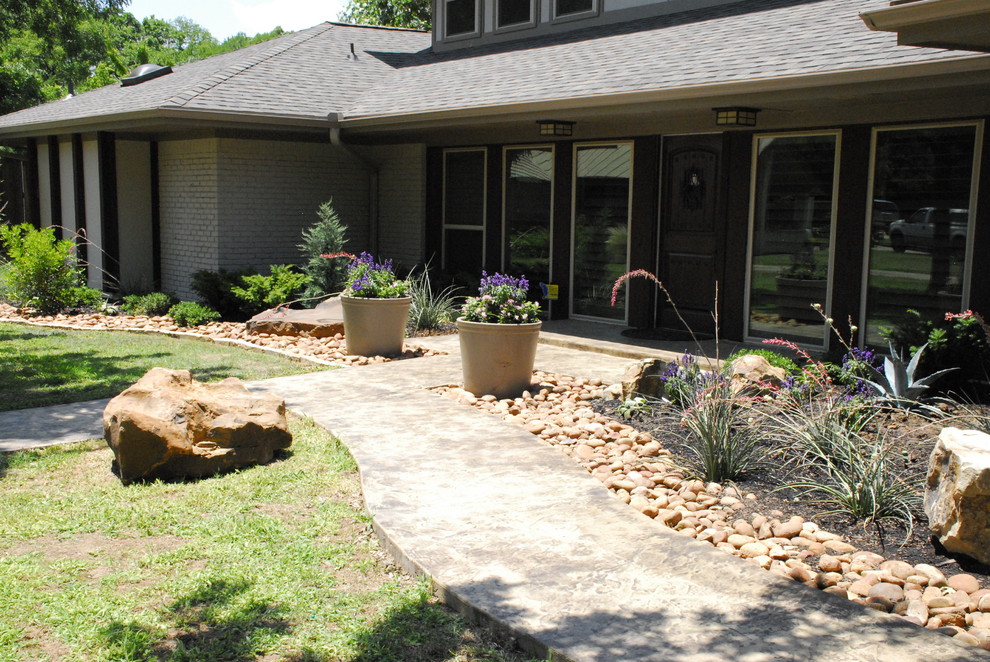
(460, 17)
(514, 12)
(568, 8)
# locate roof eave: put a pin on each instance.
(952, 24)
(173, 117)
(715, 92)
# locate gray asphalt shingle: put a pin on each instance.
(307, 74)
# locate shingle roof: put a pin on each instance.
(728, 43)
(304, 74)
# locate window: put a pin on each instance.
(527, 207)
(791, 236)
(464, 191)
(600, 250)
(920, 225)
(460, 17)
(513, 12)
(567, 8)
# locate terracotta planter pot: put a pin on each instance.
(497, 359)
(375, 327)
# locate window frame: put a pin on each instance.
(974, 190)
(629, 206)
(522, 25)
(476, 32)
(575, 16)
(505, 181)
(483, 228)
(750, 238)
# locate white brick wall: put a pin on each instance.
(187, 176)
(401, 201)
(270, 191)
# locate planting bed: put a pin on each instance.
(635, 459)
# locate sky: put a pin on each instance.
(224, 18)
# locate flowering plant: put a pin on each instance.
(369, 279)
(501, 300)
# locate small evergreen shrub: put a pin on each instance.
(152, 305)
(214, 290)
(87, 298)
(280, 286)
(325, 237)
(41, 270)
(188, 313)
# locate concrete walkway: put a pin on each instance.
(511, 530)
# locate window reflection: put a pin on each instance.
(792, 234)
(602, 186)
(917, 260)
(528, 200)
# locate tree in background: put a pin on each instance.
(392, 13)
(50, 48)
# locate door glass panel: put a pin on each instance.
(464, 211)
(603, 176)
(920, 225)
(528, 199)
(792, 232)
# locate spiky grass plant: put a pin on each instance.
(721, 446)
(431, 308)
(847, 469)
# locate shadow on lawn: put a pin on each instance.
(201, 627)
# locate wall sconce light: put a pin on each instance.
(555, 127)
(735, 116)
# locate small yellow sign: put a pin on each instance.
(550, 291)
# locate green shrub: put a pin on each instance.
(41, 271)
(188, 313)
(280, 286)
(325, 237)
(153, 304)
(773, 358)
(86, 297)
(214, 290)
(955, 341)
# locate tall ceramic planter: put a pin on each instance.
(497, 359)
(375, 327)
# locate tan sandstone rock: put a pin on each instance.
(752, 370)
(643, 378)
(957, 493)
(168, 425)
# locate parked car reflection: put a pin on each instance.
(931, 229)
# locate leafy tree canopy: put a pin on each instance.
(50, 48)
(392, 13)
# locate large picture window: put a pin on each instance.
(464, 191)
(600, 252)
(527, 208)
(920, 225)
(791, 238)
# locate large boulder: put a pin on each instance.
(957, 493)
(168, 425)
(643, 378)
(753, 371)
(324, 321)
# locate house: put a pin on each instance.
(752, 154)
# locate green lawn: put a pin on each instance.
(41, 366)
(273, 562)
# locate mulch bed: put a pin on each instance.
(915, 436)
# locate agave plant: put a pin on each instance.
(897, 382)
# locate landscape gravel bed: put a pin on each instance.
(640, 471)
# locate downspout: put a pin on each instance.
(373, 177)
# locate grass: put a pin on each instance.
(41, 367)
(273, 562)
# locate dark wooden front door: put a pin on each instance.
(691, 230)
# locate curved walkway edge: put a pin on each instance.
(513, 532)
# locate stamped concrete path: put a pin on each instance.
(512, 531)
